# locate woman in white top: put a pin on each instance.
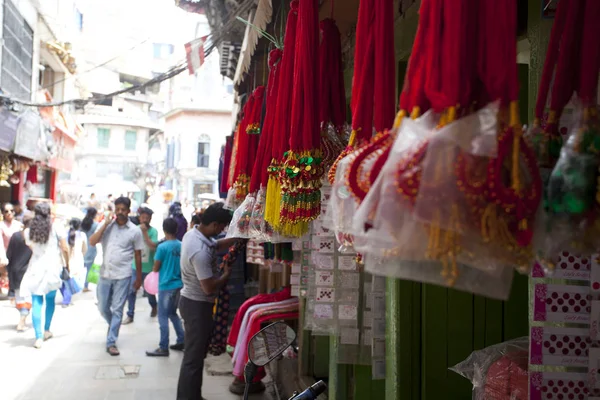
(42, 278)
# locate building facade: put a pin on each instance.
(38, 63)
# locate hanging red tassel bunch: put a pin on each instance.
(282, 119)
(255, 112)
(383, 102)
(302, 170)
(332, 96)
(246, 145)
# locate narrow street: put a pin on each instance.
(74, 364)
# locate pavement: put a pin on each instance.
(74, 365)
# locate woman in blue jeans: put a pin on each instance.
(42, 278)
(167, 264)
(89, 226)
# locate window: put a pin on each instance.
(17, 53)
(103, 138)
(203, 152)
(130, 140)
(162, 50)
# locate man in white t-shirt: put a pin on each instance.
(201, 284)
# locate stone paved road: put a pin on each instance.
(74, 365)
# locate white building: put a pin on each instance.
(37, 62)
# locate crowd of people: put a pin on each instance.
(43, 256)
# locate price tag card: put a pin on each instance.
(348, 312)
(562, 303)
(545, 385)
(350, 280)
(325, 295)
(378, 349)
(378, 284)
(294, 279)
(324, 278)
(323, 311)
(296, 268)
(349, 336)
(347, 263)
(323, 261)
(567, 347)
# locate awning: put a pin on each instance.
(260, 19)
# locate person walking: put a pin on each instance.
(167, 264)
(19, 254)
(77, 242)
(200, 286)
(42, 278)
(19, 212)
(182, 224)
(150, 235)
(122, 242)
(8, 226)
(89, 226)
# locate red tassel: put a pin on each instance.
(224, 186)
(259, 171)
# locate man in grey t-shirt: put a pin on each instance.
(122, 243)
(201, 284)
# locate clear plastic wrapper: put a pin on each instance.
(240, 223)
(365, 223)
(231, 201)
(498, 372)
(342, 205)
(572, 184)
(451, 199)
(568, 220)
(390, 227)
(257, 220)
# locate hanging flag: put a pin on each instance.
(194, 51)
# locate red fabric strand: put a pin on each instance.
(551, 58)
(590, 54)
(567, 68)
(385, 66)
(281, 133)
(363, 85)
(224, 187)
(332, 96)
(305, 133)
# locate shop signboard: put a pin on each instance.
(28, 138)
(65, 152)
(8, 129)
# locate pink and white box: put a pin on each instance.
(562, 303)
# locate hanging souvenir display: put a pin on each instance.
(412, 101)
(224, 183)
(342, 206)
(544, 135)
(571, 193)
(302, 170)
(246, 145)
(332, 94)
(282, 121)
(259, 179)
(426, 222)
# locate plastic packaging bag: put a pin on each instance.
(94, 275)
(498, 372)
(231, 202)
(366, 226)
(569, 219)
(240, 223)
(257, 220)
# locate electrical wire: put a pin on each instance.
(213, 41)
(78, 74)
